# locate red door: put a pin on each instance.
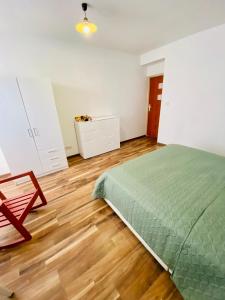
(155, 91)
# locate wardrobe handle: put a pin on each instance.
(52, 150)
(30, 132)
(36, 133)
(53, 158)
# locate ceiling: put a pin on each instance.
(134, 26)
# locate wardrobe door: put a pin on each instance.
(16, 140)
(39, 101)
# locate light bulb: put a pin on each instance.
(86, 29)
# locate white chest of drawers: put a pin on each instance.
(98, 136)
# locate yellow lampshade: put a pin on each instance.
(86, 27)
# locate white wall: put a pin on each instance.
(4, 169)
(86, 80)
(193, 106)
(155, 68)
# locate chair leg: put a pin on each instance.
(2, 196)
(23, 231)
(42, 196)
(43, 201)
(20, 228)
(6, 292)
(40, 193)
(26, 237)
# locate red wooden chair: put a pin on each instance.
(13, 211)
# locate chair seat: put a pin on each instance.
(17, 206)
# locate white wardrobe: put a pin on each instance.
(30, 135)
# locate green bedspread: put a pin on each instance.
(175, 199)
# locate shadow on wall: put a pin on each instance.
(72, 100)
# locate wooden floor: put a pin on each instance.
(80, 248)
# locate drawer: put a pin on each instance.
(91, 148)
(54, 166)
(86, 126)
(52, 154)
(108, 125)
(89, 135)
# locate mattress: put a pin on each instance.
(172, 198)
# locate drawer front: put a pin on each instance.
(52, 153)
(100, 130)
(91, 148)
(108, 125)
(51, 167)
(86, 126)
(90, 135)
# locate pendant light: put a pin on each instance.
(85, 26)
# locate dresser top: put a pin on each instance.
(95, 119)
(103, 118)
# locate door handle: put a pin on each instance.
(149, 107)
(36, 132)
(30, 132)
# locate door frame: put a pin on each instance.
(148, 95)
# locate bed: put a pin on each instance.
(173, 199)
